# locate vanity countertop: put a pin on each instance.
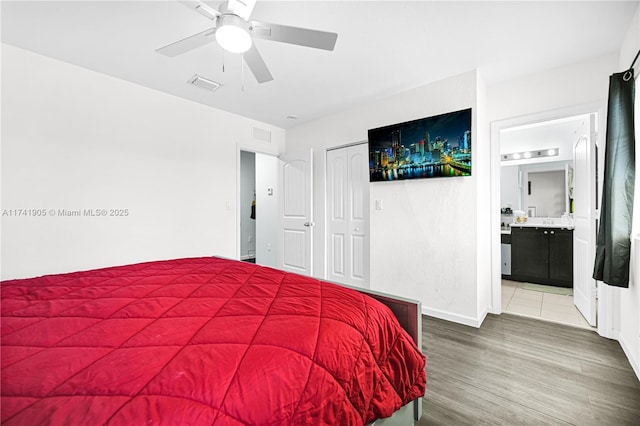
(545, 223)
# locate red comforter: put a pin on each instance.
(200, 341)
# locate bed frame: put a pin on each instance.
(409, 315)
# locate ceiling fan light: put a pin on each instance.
(231, 34)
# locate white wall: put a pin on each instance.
(575, 84)
(629, 299)
(424, 243)
(75, 139)
(482, 169)
(247, 196)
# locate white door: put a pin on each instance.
(295, 241)
(348, 215)
(584, 234)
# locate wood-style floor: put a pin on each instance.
(520, 371)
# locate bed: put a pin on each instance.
(202, 341)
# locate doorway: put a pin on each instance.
(551, 144)
(257, 208)
(247, 206)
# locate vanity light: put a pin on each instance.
(553, 152)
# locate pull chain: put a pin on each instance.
(242, 68)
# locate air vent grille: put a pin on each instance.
(204, 83)
(261, 135)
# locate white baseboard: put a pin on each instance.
(633, 358)
(460, 319)
(491, 310)
(483, 315)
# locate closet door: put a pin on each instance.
(348, 215)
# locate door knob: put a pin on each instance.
(357, 229)
(309, 224)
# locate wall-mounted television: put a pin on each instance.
(438, 146)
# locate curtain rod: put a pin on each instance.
(634, 60)
(628, 74)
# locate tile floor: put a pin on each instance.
(536, 304)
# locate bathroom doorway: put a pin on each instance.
(536, 154)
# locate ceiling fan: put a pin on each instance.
(234, 32)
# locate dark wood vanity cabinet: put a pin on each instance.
(542, 255)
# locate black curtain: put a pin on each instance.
(613, 249)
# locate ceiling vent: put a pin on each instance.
(204, 83)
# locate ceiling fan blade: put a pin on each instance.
(256, 64)
(293, 35)
(201, 8)
(189, 43)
